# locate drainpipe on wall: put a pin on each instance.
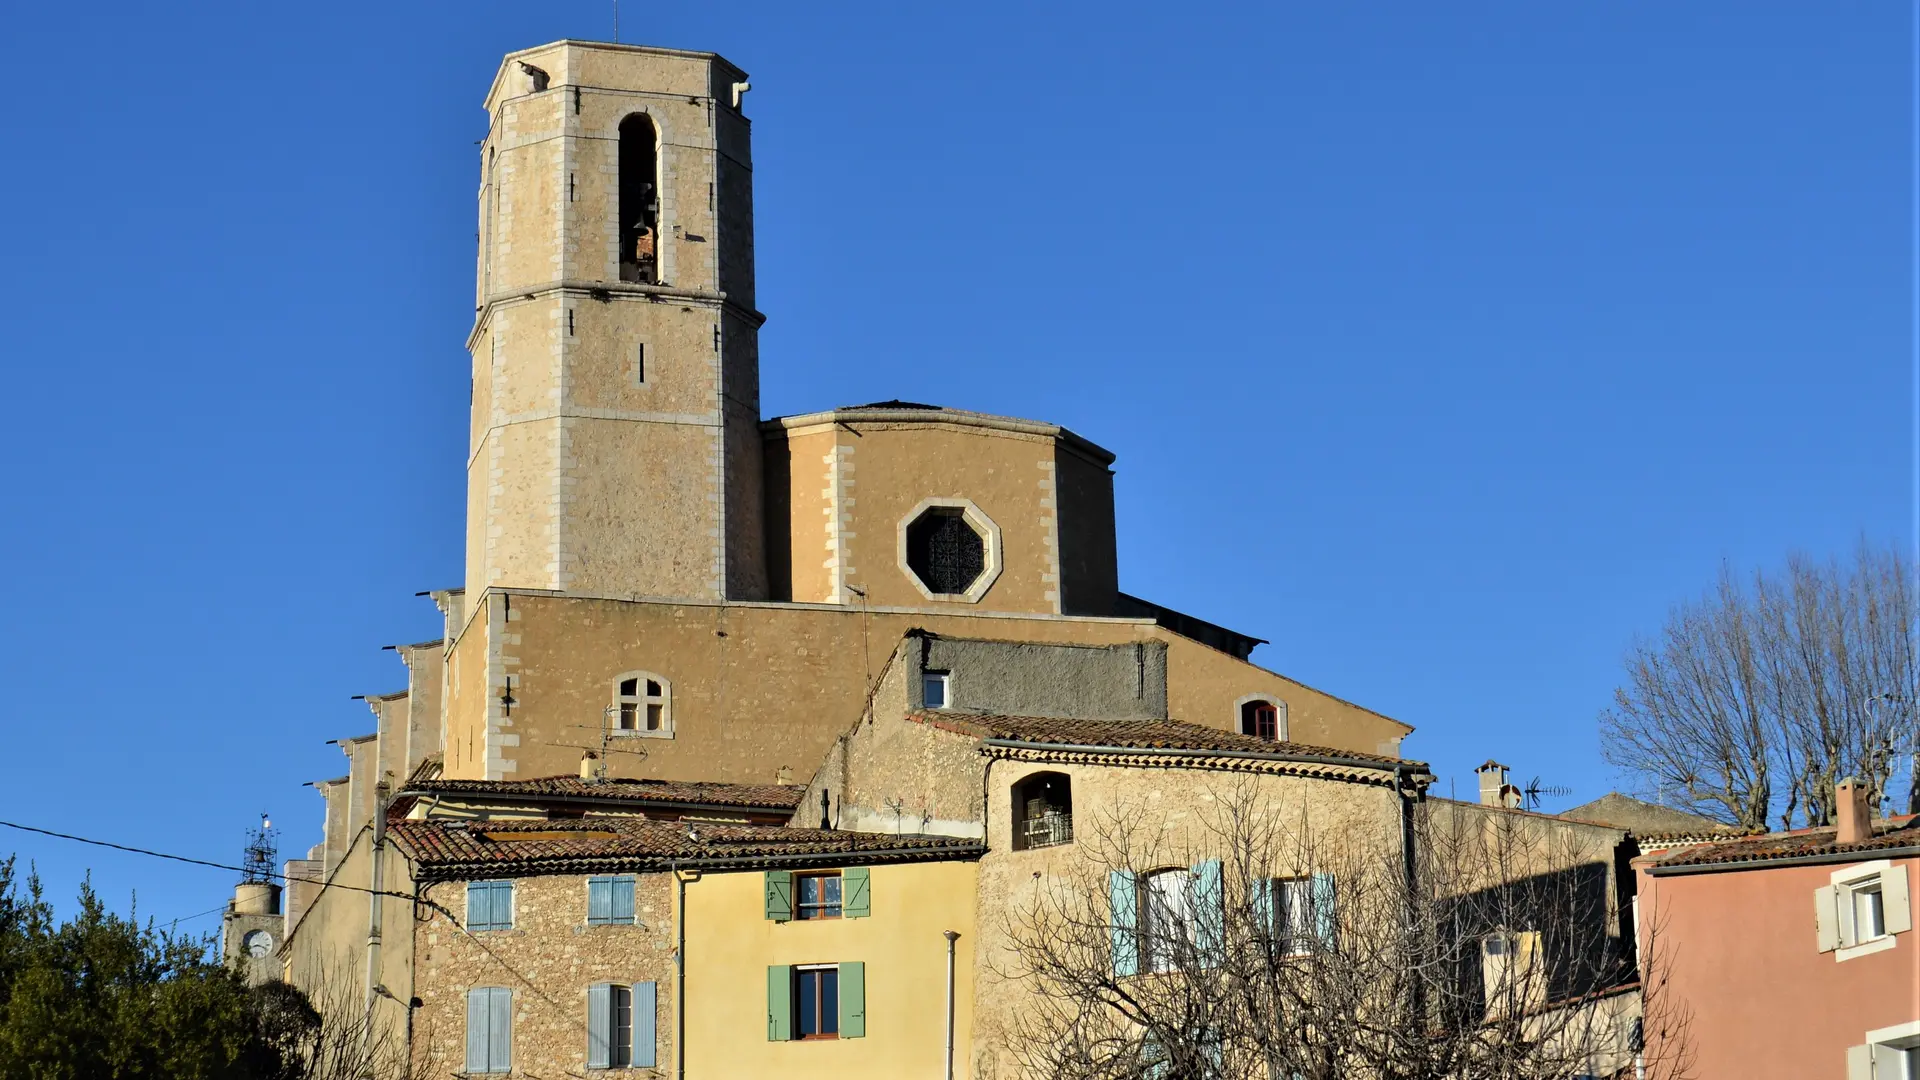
(951, 936)
(680, 979)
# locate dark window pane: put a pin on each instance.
(807, 1003)
(945, 552)
(653, 688)
(622, 1042)
(829, 1001)
(627, 686)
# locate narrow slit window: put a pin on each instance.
(640, 363)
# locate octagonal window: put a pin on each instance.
(944, 551)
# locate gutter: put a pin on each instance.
(593, 800)
(1396, 768)
(1823, 859)
(458, 871)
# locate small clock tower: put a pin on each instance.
(253, 927)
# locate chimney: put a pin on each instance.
(590, 766)
(1493, 783)
(1854, 812)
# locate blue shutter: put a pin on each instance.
(1124, 892)
(599, 1021)
(779, 884)
(1325, 916)
(853, 999)
(479, 905)
(503, 905)
(645, 1006)
(623, 900)
(599, 901)
(500, 1030)
(1209, 914)
(477, 1006)
(856, 902)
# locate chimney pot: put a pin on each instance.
(589, 766)
(1493, 783)
(1855, 812)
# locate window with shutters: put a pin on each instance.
(1891, 1052)
(1168, 920)
(816, 1002)
(1286, 911)
(490, 1029)
(818, 896)
(1863, 909)
(1042, 811)
(642, 705)
(489, 905)
(610, 901)
(621, 1026)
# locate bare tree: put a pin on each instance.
(1271, 950)
(1756, 699)
(327, 1032)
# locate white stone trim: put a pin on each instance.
(1280, 727)
(982, 524)
(609, 720)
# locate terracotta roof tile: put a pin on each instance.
(756, 796)
(1137, 735)
(1801, 843)
(446, 849)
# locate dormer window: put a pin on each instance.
(1263, 718)
(642, 705)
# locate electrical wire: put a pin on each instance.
(422, 900)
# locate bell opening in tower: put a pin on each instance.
(639, 199)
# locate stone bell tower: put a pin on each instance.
(616, 389)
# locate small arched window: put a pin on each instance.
(1042, 811)
(642, 704)
(639, 199)
(1263, 718)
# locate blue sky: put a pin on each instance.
(1444, 348)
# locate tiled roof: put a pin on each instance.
(460, 849)
(1150, 735)
(1901, 832)
(752, 796)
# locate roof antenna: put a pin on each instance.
(616, 22)
(1536, 789)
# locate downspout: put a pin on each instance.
(680, 982)
(952, 936)
(1409, 869)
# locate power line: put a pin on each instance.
(201, 862)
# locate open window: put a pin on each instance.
(642, 705)
(1263, 718)
(1042, 811)
(639, 199)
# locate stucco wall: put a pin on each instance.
(1739, 950)
(1176, 805)
(730, 944)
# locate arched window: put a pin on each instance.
(1042, 811)
(1263, 718)
(642, 704)
(639, 199)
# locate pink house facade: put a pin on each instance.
(1791, 954)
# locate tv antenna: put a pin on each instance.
(1535, 790)
(616, 22)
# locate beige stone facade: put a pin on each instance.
(639, 535)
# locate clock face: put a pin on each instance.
(258, 944)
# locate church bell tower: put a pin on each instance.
(615, 443)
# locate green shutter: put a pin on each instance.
(855, 902)
(853, 999)
(779, 895)
(779, 1002)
